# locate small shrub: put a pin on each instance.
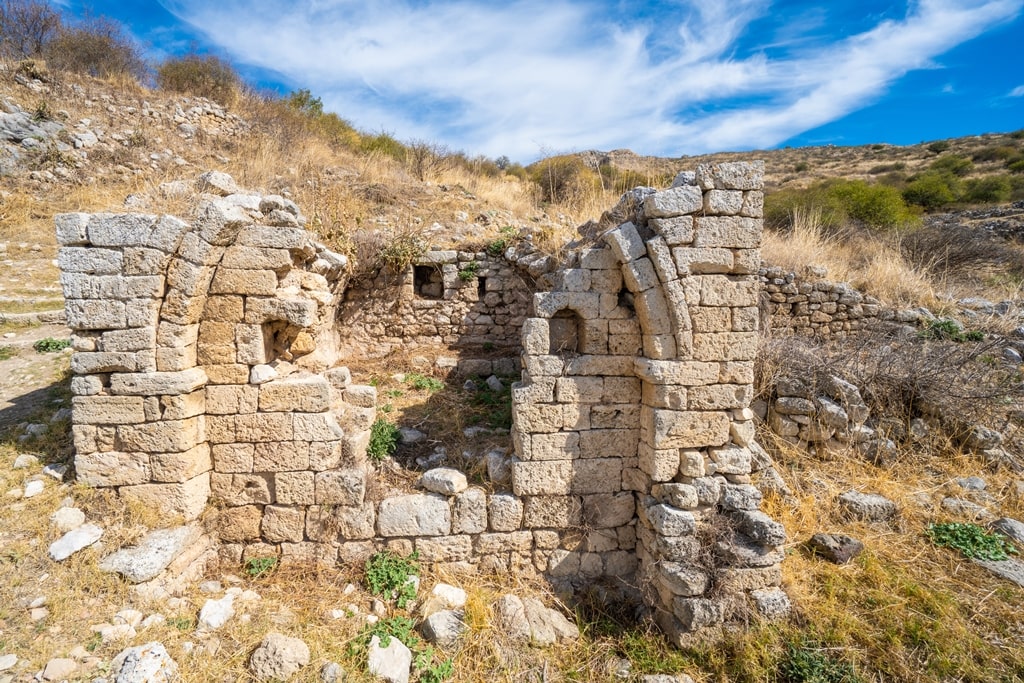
(1017, 134)
(494, 407)
(1000, 153)
(401, 250)
(99, 47)
(497, 246)
(992, 189)
(938, 147)
(7, 352)
(565, 180)
(388, 576)
(258, 566)
(383, 440)
(26, 27)
(953, 163)
(201, 75)
(51, 345)
(469, 272)
(801, 167)
(838, 201)
(399, 627)
(932, 190)
(807, 662)
(423, 383)
(429, 672)
(950, 330)
(887, 168)
(971, 540)
(1016, 165)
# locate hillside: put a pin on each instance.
(940, 409)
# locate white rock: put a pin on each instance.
(392, 663)
(55, 471)
(278, 658)
(215, 613)
(443, 597)
(151, 556)
(444, 480)
(147, 663)
(495, 384)
(66, 519)
(261, 374)
(34, 488)
(443, 628)
(8, 661)
(59, 669)
(153, 620)
(132, 617)
(25, 460)
(74, 540)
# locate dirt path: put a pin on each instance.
(27, 377)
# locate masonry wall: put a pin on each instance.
(816, 307)
(210, 370)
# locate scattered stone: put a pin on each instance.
(836, 548)
(147, 663)
(392, 663)
(278, 658)
(966, 509)
(443, 628)
(59, 669)
(210, 587)
(772, 603)
(67, 519)
(666, 678)
(114, 632)
(73, 541)
(443, 597)
(152, 555)
(25, 460)
(153, 620)
(216, 182)
(38, 613)
(1011, 570)
(261, 374)
(868, 507)
(34, 488)
(55, 471)
(132, 617)
(409, 436)
(1011, 528)
(547, 625)
(444, 480)
(8, 661)
(495, 384)
(511, 617)
(972, 483)
(331, 672)
(215, 613)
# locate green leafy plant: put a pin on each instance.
(971, 540)
(388, 575)
(808, 662)
(180, 623)
(50, 345)
(949, 330)
(431, 672)
(383, 440)
(469, 271)
(402, 628)
(496, 406)
(258, 566)
(497, 246)
(423, 383)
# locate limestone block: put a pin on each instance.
(445, 549)
(112, 468)
(725, 291)
(233, 457)
(180, 407)
(186, 500)
(557, 446)
(298, 312)
(733, 175)
(72, 228)
(219, 222)
(505, 512)
(552, 512)
(176, 336)
(231, 399)
(682, 373)
(669, 521)
(579, 389)
(414, 515)
(158, 383)
(725, 346)
(625, 344)
(84, 438)
(671, 396)
(195, 249)
(298, 393)
(116, 230)
(575, 280)
(694, 261)
(168, 436)
(545, 478)
(604, 366)
(86, 286)
(264, 427)
(684, 429)
(676, 231)
(681, 579)
(617, 416)
(247, 282)
(727, 232)
(189, 279)
(606, 280)
(144, 261)
(136, 339)
(330, 523)
(107, 410)
(182, 308)
(598, 259)
(536, 337)
(736, 497)
(711, 319)
(280, 456)
(652, 310)
(273, 237)
(283, 524)
(492, 544)
(256, 258)
(625, 243)
(753, 204)
(142, 312)
(325, 455)
(659, 464)
(760, 527)
(746, 261)
(639, 275)
(340, 487)
(181, 467)
(469, 515)
(90, 260)
(238, 524)
(361, 396)
(660, 255)
(608, 510)
(227, 308)
(95, 315)
(676, 201)
(316, 427)
(596, 475)
(294, 488)
(723, 202)
(720, 397)
(608, 443)
(621, 390)
(88, 385)
(211, 355)
(660, 346)
(682, 496)
(538, 418)
(731, 460)
(736, 372)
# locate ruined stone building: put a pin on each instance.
(210, 370)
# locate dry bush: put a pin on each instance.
(26, 26)
(98, 47)
(956, 250)
(202, 75)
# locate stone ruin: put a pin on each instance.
(209, 372)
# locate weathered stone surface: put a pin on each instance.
(867, 506)
(443, 628)
(152, 554)
(158, 383)
(414, 515)
(278, 658)
(510, 614)
(391, 663)
(444, 480)
(677, 201)
(836, 548)
(149, 663)
(73, 541)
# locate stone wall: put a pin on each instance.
(209, 369)
(453, 299)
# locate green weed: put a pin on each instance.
(51, 345)
(423, 383)
(469, 271)
(497, 246)
(258, 566)
(383, 440)
(807, 662)
(949, 330)
(971, 540)
(7, 352)
(388, 574)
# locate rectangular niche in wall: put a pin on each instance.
(428, 282)
(564, 330)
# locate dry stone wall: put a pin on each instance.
(208, 369)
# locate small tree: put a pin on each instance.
(26, 26)
(200, 75)
(98, 47)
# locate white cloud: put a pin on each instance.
(1017, 92)
(524, 76)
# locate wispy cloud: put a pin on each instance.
(527, 76)
(1017, 92)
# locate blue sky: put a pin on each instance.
(528, 78)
